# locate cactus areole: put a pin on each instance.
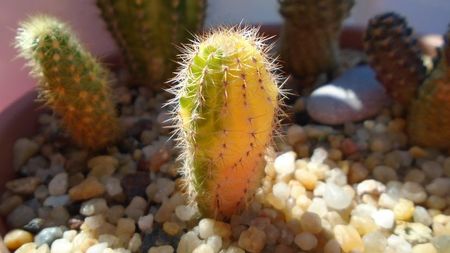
(227, 100)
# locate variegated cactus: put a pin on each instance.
(227, 101)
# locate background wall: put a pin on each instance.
(427, 16)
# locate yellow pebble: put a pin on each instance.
(16, 238)
(308, 179)
(348, 238)
(171, 228)
(27, 248)
(424, 248)
(404, 209)
(363, 225)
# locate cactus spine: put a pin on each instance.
(226, 102)
(146, 31)
(71, 81)
(395, 55)
(429, 113)
(309, 38)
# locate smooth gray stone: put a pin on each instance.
(354, 96)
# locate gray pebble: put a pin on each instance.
(48, 235)
(34, 226)
(20, 216)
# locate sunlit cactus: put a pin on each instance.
(227, 102)
(429, 113)
(149, 31)
(71, 81)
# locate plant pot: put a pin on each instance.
(20, 118)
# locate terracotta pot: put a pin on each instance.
(19, 119)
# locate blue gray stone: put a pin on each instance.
(354, 96)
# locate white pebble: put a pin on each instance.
(421, 215)
(398, 244)
(370, 186)
(319, 155)
(336, 197)
(188, 242)
(61, 246)
(285, 163)
(364, 210)
(336, 176)
(145, 223)
(113, 186)
(203, 248)
(206, 228)
(165, 187)
(185, 213)
(374, 242)
(215, 242)
(384, 218)
(281, 191)
(93, 207)
(58, 185)
(318, 206)
(97, 248)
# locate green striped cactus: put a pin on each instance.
(148, 32)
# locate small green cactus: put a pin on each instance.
(227, 100)
(309, 38)
(394, 54)
(147, 32)
(71, 81)
(429, 113)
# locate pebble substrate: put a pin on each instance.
(355, 188)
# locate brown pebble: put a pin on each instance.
(16, 238)
(348, 147)
(135, 184)
(24, 186)
(87, 189)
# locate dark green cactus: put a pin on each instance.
(309, 39)
(395, 55)
(227, 100)
(71, 81)
(148, 32)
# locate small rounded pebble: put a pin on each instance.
(61, 246)
(16, 238)
(93, 207)
(203, 248)
(58, 185)
(336, 197)
(384, 218)
(421, 215)
(414, 192)
(28, 248)
(285, 163)
(374, 242)
(296, 134)
(348, 238)
(185, 213)
(252, 240)
(20, 216)
(145, 223)
(404, 209)
(306, 178)
(97, 248)
(311, 222)
(424, 248)
(306, 241)
(48, 235)
(89, 188)
(384, 173)
(439, 187)
(206, 228)
(24, 185)
(332, 246)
